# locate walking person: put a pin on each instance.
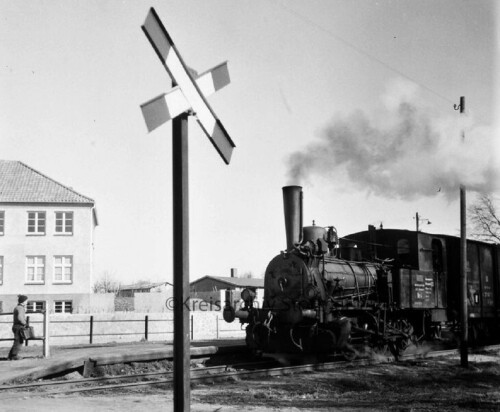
(19, 324)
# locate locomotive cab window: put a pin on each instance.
(403, 249)
(437, 255)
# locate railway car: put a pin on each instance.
(385, 288)
(426, 278)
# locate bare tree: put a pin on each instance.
(106, 284)
(485, 219)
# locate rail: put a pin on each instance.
(261, 369)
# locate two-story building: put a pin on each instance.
(46, 241)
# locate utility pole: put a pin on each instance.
(419, 219)
(464, 336)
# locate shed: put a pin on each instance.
(217, 290)
(142, 287)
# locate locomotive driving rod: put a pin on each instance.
(306, 313)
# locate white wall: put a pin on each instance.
(15, 245)
(152, 302)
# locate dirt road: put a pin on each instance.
(438, 384)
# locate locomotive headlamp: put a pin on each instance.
(248, 295)
(229, 314)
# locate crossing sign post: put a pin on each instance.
(186, 97)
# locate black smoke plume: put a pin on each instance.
(403, 151)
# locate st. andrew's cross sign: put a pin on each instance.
(187, 95)
(190, 94)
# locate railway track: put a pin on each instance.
(248, 370)
(197, 374)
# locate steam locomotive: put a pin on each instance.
(384, 288)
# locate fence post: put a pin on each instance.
(146, 327)
(192, 328)
(91, 328)
(46, 350)
(27, 325)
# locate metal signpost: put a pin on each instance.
(186, 97)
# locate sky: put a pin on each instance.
(352, 100)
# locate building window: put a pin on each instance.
(2, 222)
(35, 306)
(1, 270)
(36, 223)
(35, 269)
(64, 223)
(63, 269)
(63, 306)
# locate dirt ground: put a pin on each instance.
(433, 384)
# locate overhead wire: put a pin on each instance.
(362, 51)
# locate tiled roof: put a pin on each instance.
(236, 282)
(20, 183)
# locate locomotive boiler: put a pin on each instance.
(319, 295)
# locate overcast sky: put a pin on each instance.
(353, 100)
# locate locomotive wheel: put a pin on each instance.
(256, 354)
(399, 346)
(474, 334)
(383, 349)
(324, 341)
(396, 352)
(256, 339)
(349, 353)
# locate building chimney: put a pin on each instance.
(234, 272)
(372, 235)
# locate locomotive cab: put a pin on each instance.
(419, 274)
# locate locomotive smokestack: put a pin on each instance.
(292, 203)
